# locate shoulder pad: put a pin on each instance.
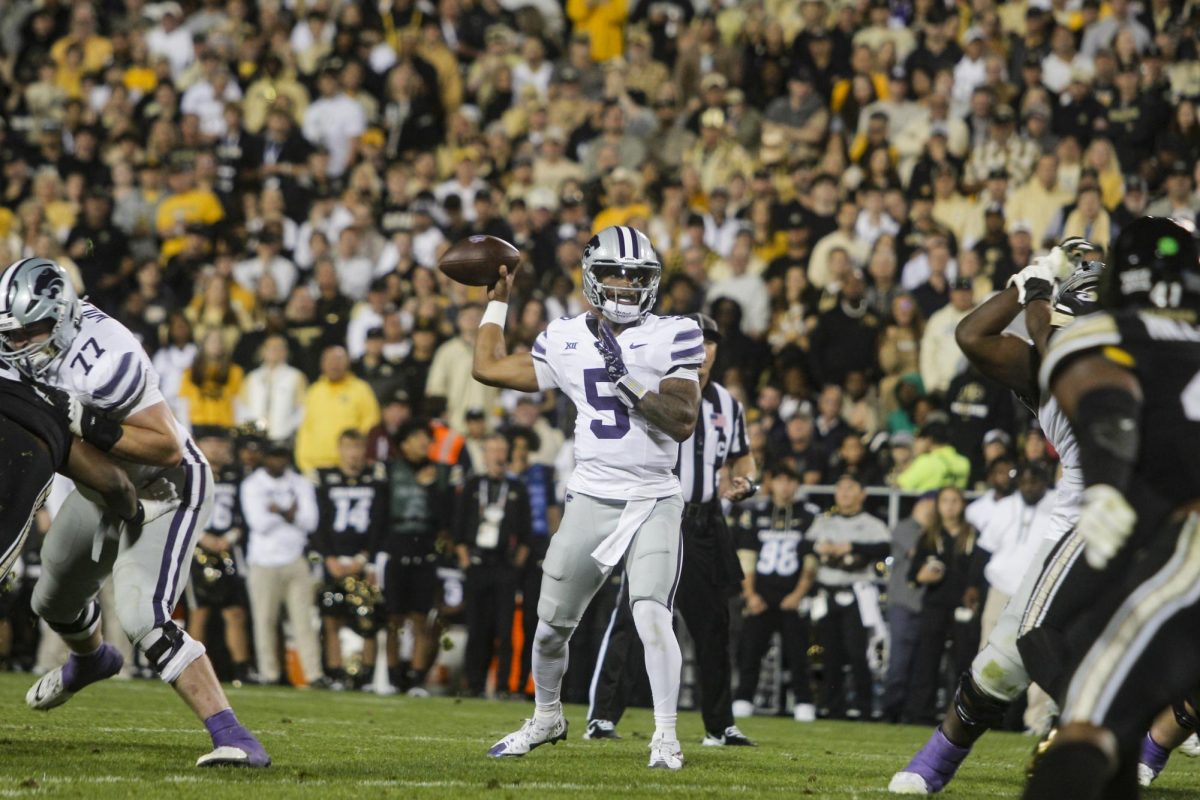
(1085, 333)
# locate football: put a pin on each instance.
(476, 260)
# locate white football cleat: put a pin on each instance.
(1146, 775)
(804, 712)
(742, 709)
(532, 734)
(1191, 746)
(908, 783)
(666, 754)
(48, 692)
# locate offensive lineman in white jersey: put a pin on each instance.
(1051, 291)
(633, 377)
(110, 393)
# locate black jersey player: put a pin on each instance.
(1129, 380)
(350, 497)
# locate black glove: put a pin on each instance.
(83, 421)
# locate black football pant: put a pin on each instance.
(490, 594)
(25, 477)
(757, 631)
(703, 602)
(1136, 651)
(842, 634)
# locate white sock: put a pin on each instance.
(550, 652)
(663, 663)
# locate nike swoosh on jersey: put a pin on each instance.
(636, 346)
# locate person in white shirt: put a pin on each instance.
(534, 70)
(1011, 539)
(428, 238)
(280, 508)
(1000, 475)
(365, 316)
(466, 183)
(170, 40)
(354, 270)
(174, 359)
(747, 288)
(272, 396)
(267, 261)
(208, 97)
(335, 121)
(720, 229)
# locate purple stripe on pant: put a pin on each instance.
(185, 517)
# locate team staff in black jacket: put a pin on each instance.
(350, 502)
(491, 537)
(780, 573)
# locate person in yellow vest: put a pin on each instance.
(622, 200)
(210, 386)
(603, 21)
(938, 464)
(187, 204)
(97, 50)
(336, 402)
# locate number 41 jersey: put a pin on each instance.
(618, 453)
(1165, 355)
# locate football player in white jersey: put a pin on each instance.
(112, 398)
(1051, 292)
(633, 377)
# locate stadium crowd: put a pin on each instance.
(262, 191)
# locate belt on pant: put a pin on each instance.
(699, 510)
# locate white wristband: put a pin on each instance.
(496, 314)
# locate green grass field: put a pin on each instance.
(135, 739)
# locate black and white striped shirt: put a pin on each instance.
(720, 436)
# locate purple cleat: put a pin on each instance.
(233, 744)
(59, 685)
(931, 768)
(1152, 761)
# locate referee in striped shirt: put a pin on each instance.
(711, 572)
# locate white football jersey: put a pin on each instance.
(107, 369)
(1069, 489)
(618, 453)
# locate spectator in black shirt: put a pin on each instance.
(491, 533)
(941, 564)
(806, 456)
(846, 336)
(100, 249)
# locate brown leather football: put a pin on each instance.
(476, 260)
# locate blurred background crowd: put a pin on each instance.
(261, 192)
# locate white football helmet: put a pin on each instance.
(36, 296)
(621, 251)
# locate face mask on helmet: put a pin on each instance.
(1077, 295)
(625, 293)
(621, 274)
